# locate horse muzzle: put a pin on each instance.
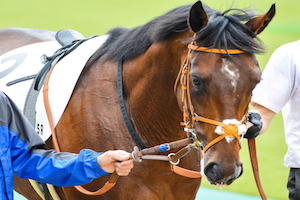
(219, 175)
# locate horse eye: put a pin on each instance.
(196, 81)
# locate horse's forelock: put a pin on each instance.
(230, 32)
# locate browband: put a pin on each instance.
(220, 51)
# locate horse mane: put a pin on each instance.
(223, 30)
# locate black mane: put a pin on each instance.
(222, 31)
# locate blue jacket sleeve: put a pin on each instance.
(30, 159)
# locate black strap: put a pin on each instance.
(30, 104)
(46, 192)
(61, 53)
(39, 80)
(127, 121)
(21, 79)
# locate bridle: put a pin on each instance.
(230, 130)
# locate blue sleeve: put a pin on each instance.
(30, 159)
(60, 169)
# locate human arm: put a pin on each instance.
(259, 120)
(278, 84)
(266, 115)
(26, 156)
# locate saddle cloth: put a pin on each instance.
(26, 61)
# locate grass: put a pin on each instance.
(94, 17)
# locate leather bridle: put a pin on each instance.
(230, 130)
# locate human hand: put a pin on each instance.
(116, 160)
(254, 125)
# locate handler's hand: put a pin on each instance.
(116, 160)
(254, 125)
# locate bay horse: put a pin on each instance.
(220, 48)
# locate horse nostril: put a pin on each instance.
(212, 172)
(241, 172)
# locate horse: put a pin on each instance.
(219, 50)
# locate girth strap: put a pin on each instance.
(30, 113)
(30, 104)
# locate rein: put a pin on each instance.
(230, 130)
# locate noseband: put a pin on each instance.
(230, 130)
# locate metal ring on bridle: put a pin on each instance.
(135, 156)
(173, 163)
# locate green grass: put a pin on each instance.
(94, 17)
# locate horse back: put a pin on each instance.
(11, 38)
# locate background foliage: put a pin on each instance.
(94, 17)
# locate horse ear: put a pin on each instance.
(258, 24)
(198, 17)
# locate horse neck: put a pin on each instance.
(148, 85)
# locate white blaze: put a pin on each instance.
(230, 72)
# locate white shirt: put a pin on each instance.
(279, 90)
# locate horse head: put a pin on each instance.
(217, 79)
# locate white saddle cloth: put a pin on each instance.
(26, 61)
